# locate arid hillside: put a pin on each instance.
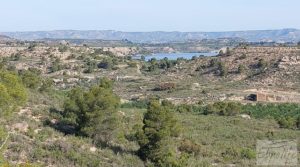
(228, 76)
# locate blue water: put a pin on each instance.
(174, 56)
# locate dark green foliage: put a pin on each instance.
(298, 122)
(223, 70)
(243, 57)
(183, 108)
(248, 153)
(194, 58)
(285, 114)
(164, 64)
(142, 104)
(156, 139)
(262, 64)
(90, 65)
(241, 69)
(93, 112)
(101, 52)
(12, 91)
(107, 63)
(231, 153)
(287, 122)
(56, 66)
(221, 53)
(63, 48)
(46, 85)
(31, 78)
(153, 65)
(15, 57)
(223, 108)
(228, 52)
(132, 64)
(32, 47)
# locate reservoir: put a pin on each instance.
(174, 56)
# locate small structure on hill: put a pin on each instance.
(274, 96)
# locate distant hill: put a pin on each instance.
(283, 35)
(4, 38)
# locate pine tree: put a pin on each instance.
(93, 112)
(156, 139)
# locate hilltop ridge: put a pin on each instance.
(282, 35)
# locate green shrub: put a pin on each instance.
(298, 122)
(285, 114)
(223, 70)
(165, 86)
(63, 48)
(30, 78)
(189, 147)
(184, 108)
(287, 122)
(142, 104)
(56, 65)
(223, 108)
(132, 64)
(93, 112)
(107, 63)
(231, 153)
(243, 56)
(241, 69)
(248, 153)
(262, 64)
(13, 93)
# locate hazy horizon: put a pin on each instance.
(147, 31)
(145, 16)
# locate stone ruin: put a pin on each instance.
(274, 96)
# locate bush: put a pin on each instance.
(46, 85)
(63, 48)
(184, 108)
(90, 66)
(262, 64)
(93, 112)
(223, 108)
(231, 153)
(132, 64)
(286, 114)
(232, 109)
(13, 93)
(136, 104)
(287, 122)
(298, 122)
(30, 78)
(165, 86)
(102, 52)
(248, 153)
(241, 69)
(106, 64)
(243, 57)
(56, 66)
(223, 70)
(213, 63)
(189, 147)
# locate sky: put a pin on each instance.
(148, 15)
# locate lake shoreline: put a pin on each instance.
(174, 56)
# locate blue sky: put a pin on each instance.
(148, 15)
